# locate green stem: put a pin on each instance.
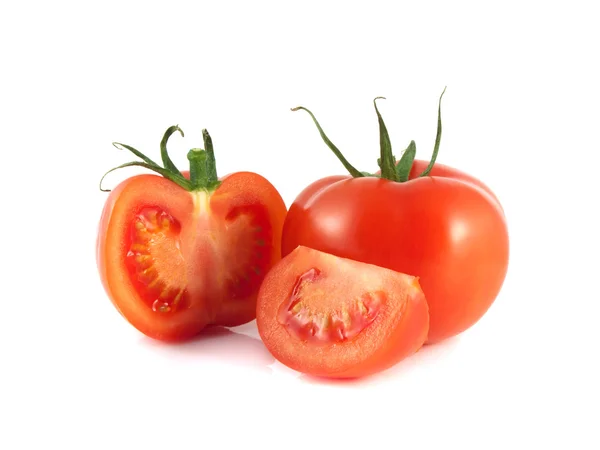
(387, 160)
(137, 153)
(438, 138)
(181, 181)
(349, 167)
(203, 172)
(203, 167)
(211, 164)
(198, 167)
(163, 149)
(406, 162)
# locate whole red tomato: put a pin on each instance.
(426, 220)
(182, 250)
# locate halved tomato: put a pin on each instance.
(334, 317)
(184, 250)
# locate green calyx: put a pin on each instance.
(203, 169)
(390, 169)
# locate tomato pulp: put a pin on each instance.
(333, 317)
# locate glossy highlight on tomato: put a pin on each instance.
(333, 317)
(185, 250)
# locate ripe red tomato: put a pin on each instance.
(444, 226)
(334, 317)
(184, 250)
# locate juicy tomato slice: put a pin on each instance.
(334, 317)
(174, 261)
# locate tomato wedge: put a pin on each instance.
(334, 317)
(184, 250)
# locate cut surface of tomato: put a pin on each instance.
(334, 317)
(154, 261)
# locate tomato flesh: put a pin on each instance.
(248, 238)
(311, 316)
(155, 263)
(334, 317)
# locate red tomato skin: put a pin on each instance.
(448, 229)
(441, 170)
(239, 189)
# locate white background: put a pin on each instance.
(520, 112)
